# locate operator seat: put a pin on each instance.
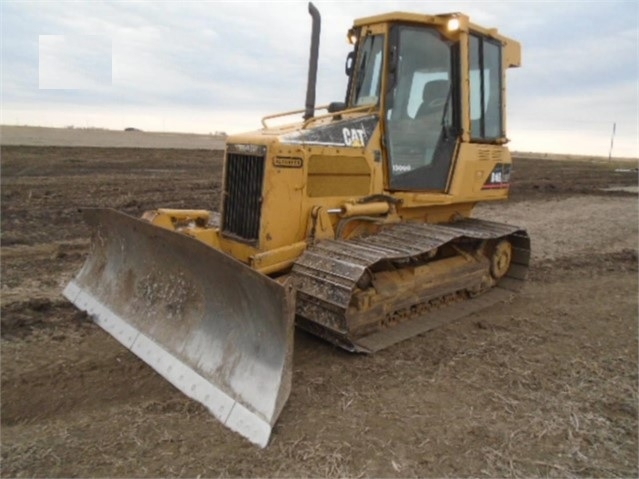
(433, 98)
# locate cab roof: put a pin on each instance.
(512, 47)
(401, 17)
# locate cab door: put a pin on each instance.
(421, 108)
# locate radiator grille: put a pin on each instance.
(243, 195)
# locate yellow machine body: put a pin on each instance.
(311, 185)
(353, 224)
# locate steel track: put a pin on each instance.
(326, 277)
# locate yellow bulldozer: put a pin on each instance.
(354, 224)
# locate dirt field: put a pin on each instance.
(97, 137)
(545, 385)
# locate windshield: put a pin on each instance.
(368, 71)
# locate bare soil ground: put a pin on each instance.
(97, 137)
(545, 385)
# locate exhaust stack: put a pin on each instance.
(312, 64)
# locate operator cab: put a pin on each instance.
(437, 81)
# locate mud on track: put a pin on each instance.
(545, 385)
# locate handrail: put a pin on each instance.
(286, 113)
(315, 118)
(350, 110)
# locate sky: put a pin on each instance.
(209, 66)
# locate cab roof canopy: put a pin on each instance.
(512, 48)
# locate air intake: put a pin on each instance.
(243, 192)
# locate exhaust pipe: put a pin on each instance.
(312, 64)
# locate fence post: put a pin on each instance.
(612, 140)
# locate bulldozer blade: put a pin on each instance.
(213, 327)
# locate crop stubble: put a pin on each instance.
(545, 385)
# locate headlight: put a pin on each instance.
(453, 24)
(351, 36)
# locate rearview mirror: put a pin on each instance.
(350, 63)
(336, 106)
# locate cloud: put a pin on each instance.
(231, 60)
(581, 120)
(74, 61)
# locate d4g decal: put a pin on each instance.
(499, 177)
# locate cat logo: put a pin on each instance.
(355, 137)
(287, 162)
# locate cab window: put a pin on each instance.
(368, 71)
(485, 89)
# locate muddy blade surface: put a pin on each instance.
(217, 330)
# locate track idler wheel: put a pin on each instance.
(500, 259)
(499, 255)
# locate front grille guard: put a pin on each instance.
(243, 183)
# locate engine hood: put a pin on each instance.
(351, 130)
